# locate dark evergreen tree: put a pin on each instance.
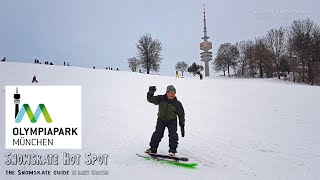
(195, 69)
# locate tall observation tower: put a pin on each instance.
(205, 46)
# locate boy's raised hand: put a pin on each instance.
(152, 89)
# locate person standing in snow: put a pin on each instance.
(169, 109)
(34, 79)
(201, 76)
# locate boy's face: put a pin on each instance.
(171, 95)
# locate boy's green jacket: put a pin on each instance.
(168, 109)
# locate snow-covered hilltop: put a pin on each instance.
(235, 128)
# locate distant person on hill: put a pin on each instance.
(34, 79)
(169, 109)
(201, 76)
(177, 74)
(64, 63)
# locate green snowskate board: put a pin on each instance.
(165, 159)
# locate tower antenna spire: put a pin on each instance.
(204, 22)
(205, 35)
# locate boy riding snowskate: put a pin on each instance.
(169, 109)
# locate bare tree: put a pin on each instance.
(302, 34)
(133, 64)
(275, 41)
(149, 53)
(315, 51)
(262, 57)
(242, 63)
(219, 64)
(252, 65)
(227, 55)
(284, 65)
(181, 66)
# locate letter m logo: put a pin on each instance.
(33, 117)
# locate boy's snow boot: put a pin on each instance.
(172, 152)
(148, 151)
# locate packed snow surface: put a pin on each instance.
(235, 128)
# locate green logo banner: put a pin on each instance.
(33, 117)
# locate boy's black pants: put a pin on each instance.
(158, 134)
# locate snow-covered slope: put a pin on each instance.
(235, 128)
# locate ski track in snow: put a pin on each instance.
(221, 153)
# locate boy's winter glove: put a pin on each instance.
(152, 89)
(182, 130)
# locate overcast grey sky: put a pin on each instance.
(105, 32)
